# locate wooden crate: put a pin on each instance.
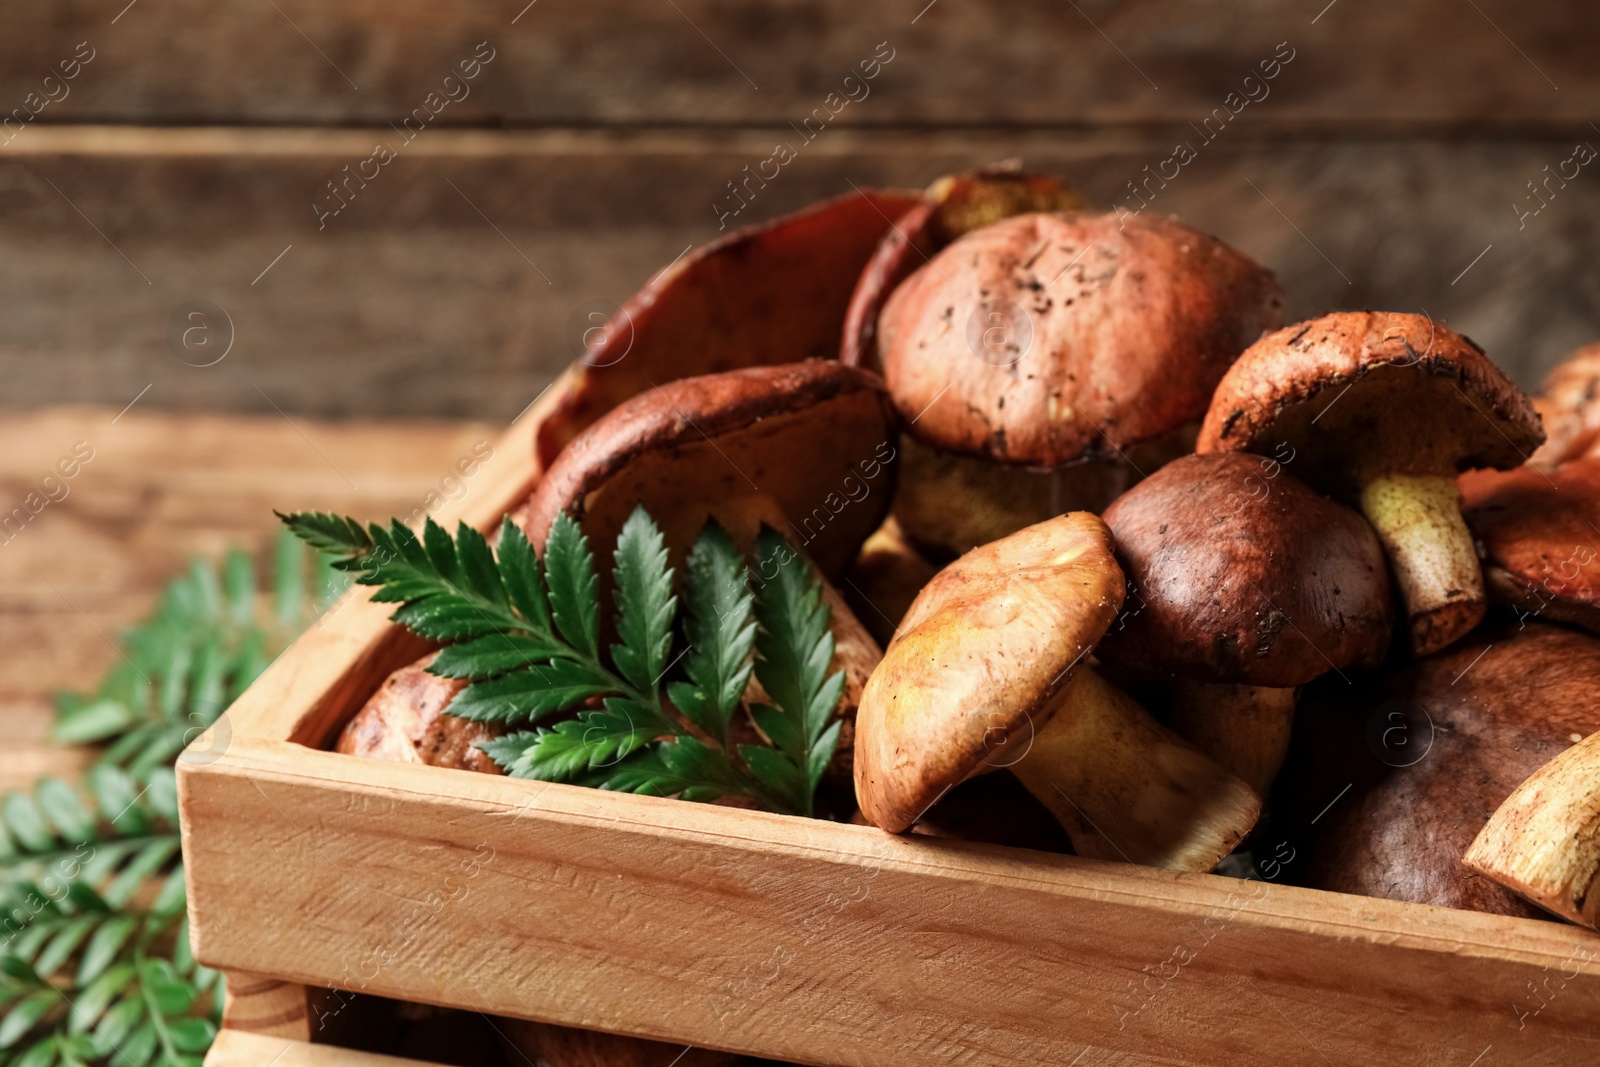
(783, 937)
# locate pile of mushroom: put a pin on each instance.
(1133, 567)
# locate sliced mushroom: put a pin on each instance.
(405, 721)
(1543, 843)
(987, 668)
(1423, 404)
(954, 205)
(1046, 341)
(1246, 585)
(807, 448)
(1392, 777)
(773, 293)
(1540, 534)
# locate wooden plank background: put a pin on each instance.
(182, 161)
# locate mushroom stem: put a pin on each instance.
(1544, 841)
(1125, 787)
(1245, 728)
(1418, 519)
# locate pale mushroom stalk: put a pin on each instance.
(1384, 410)
(1125, 787)
(1543, 843)
(1418, 519)
(1245, 728)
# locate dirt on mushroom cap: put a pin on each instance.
(1240, 574)
(1355, 394)
(1110, 332)
(981, 651)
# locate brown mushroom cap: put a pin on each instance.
(770, 293)
(954, 205)
(1240, 574)
(406, 721)
(1358, 394)
(1540, 533)
(1044, 339)
(818, 439)
(1433, 750)
(1570, 407)
(978, 656)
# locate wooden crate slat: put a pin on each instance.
(830, 943)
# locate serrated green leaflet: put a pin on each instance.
(528, 642)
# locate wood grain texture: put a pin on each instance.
(826, 943)
(412, 302)
(701, 61)
(267, 1007)
(160, 489)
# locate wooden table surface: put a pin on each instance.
(159, 489)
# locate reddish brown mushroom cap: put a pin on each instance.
(1540, 535)
(1240, 574)
(817, 439)
(954, 205)
(766, 294)
(1360, 393)
(978, 656)
(1431, 751)
(1044, 339)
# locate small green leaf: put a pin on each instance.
(519, 573)
(441, 552)
(91, 1002)
(524, 696)
(328, 533)
(138, 1049)
(61, 806)
(26, 823)
(574, 589)
(720, 633)
(191, 1035)
(170, 994)
(477, 565)
(63, 945)
(103, 947)
(645, 604)
(447, 617)
(115, 1025)
(26, 1015)
(92, 721)
(494, 654)
(288, 578)
(41, 1053)
(239, 587)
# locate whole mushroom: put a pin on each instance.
(987, 669)
(1246, 586)
(1385, 410)
(1029, 357)
(1391, 780)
